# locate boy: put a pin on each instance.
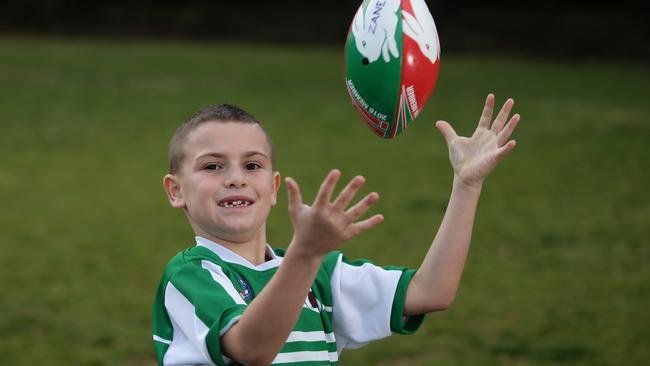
(232, 299)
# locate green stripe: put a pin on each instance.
(212, 304)
(160, 349)
(310, 321)
(229, 317)
(323, 288)
(213, 341)
(329, 263)
(162, 326)
(397, 324)
(200, 289)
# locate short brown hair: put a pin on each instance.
(215, 113)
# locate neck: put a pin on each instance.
(252, 249)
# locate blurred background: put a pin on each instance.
(542, 29)
(91, 92)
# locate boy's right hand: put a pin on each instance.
(325, 225)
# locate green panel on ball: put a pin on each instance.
(373, 64)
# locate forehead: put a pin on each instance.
(226, 138)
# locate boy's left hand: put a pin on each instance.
(473, 158)
(326, 225)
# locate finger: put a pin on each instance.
(505, 150)
(348, 193)
(504, 135)
(324, 194)
(486, 116)
(392, 46)
(502, 117)
(294, 197)
(361, 226)
(447, 131)
(356, 211)
(384, 52)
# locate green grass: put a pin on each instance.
(558, 271)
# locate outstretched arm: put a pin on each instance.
(435, 284)
(318, 229)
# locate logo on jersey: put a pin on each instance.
(312, 303)
(246, 292)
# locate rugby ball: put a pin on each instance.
(392, 56)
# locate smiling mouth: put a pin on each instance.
(235, 203)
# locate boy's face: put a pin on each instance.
(226, 182)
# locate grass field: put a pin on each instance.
(558, 271)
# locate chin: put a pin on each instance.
(237, 233)
(234, 230)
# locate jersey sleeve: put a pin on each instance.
(368, 302)
(202, 305)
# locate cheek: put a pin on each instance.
(267, 190)
(202, 191)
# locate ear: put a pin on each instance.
(173, 189)
(276, 187)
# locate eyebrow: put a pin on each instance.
(247, 154)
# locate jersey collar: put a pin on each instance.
(228, 255)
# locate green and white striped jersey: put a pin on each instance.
(205, 289)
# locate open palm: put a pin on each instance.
(473, 158)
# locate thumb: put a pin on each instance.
(294, 196)
(446, 130)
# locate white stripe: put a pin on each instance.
(229, 325)
(362, 296)
(188, 346)
(316, 336)
(161, 340)
(305, 356)
(223, 280)
(327, 308)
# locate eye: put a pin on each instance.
(252, 166)
(212, 166)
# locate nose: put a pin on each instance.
(235, 179)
